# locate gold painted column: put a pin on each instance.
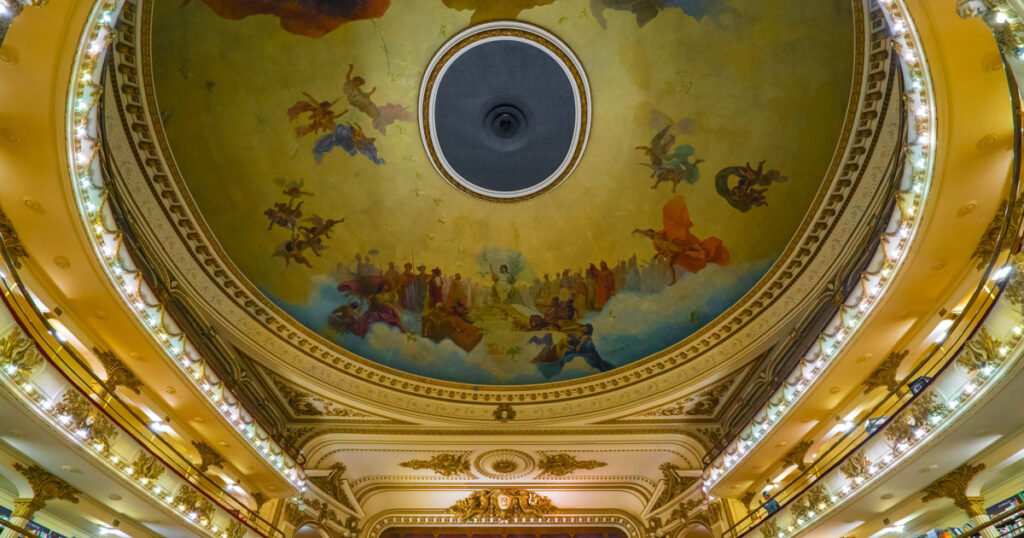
(978, 516)
(24, 509)
(953, 485)
(45, 487)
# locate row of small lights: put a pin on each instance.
(891, 254)
(977, 383)
(91, 194)
(83, 437)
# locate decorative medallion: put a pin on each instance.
(505, 111)
(504, 464)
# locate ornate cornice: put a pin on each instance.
(846, 178)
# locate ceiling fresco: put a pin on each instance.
(293, 124)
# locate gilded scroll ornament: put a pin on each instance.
(856, 466)
(442, 464)
(503, 504)
(188, 500)
(953, 485)
(18, 357)
(982, 350)
(885, 374)
(796, 455)
(770, 529)
(304, 404)
(46, 486)
(118, 373)
(208, 456)
(146, 466)
(674, 484)
(12, 243)
(703, 403)
(565, 464)
(82, 417)
(333, 484)
(987, 245)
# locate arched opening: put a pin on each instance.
(310, 530)
(696, 531)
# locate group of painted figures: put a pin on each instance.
(319, 117)
(557, 307)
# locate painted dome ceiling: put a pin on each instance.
(697, 135)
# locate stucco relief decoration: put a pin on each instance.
(565, 464)
(18, 356)
(305, 404)
(504, 464)
(442, 464)
(503, 504)
(701, 404)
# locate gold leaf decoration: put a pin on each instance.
(304, 404)
(188, 500)
(503, 504)
(980, 351)
(442, 464)
(118, 373)
(18, 356)
(46, 486)
(953, 485)
(333, 484)
(856, 466)
(796, 455)
(885, 374)
(12, 243)
(208, 456)
(82, 417)
(674, 484)
(146, 466)
(987, 245)
(565, 464)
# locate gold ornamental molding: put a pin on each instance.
(953, 485)
(118, 373)
(853, 178)
(502, 504)
(12, 243)
(630, 527)
(442, 464)
(564, 464)
(45, 486)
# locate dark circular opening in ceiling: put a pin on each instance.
(505, 116)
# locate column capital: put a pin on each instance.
(46, 486)
(27, 507)
(953, 485)
(975, 506)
